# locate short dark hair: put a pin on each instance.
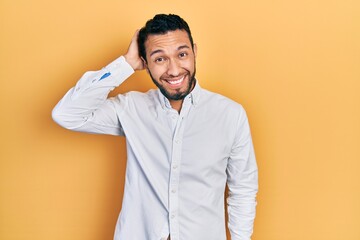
(161, 24)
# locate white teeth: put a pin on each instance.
(177, 81)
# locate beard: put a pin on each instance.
(178, 95)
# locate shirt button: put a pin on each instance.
(177, 141)
(172, 216)
(175, 167)
(173, 191)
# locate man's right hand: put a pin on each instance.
(132, 55)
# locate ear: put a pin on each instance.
(145, 64)
(195, 50)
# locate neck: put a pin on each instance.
(176, 104)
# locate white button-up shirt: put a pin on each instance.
(178, 163)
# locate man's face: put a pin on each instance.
(171, 63)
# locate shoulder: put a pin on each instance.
(139, 96)
(221, 103)
(225, 113)
(138, 99)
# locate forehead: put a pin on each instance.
(168, 41)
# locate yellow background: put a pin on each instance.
(294, 66)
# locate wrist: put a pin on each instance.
(129, 61)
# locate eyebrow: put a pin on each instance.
(160, 50)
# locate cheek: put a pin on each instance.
(155, 71)
(189, 64)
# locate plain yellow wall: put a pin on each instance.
(294, 65)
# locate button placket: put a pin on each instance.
(174, 180)
(175, 171)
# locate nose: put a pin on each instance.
(173, 68)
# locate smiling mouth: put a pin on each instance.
(176, 82)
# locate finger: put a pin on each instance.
(136, 34)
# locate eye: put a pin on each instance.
(159, 59)
(183, 54)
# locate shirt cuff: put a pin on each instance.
(120, 63)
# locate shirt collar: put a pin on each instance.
(193, 96)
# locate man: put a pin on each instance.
(184, 143)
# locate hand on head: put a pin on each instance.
(132, 55)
